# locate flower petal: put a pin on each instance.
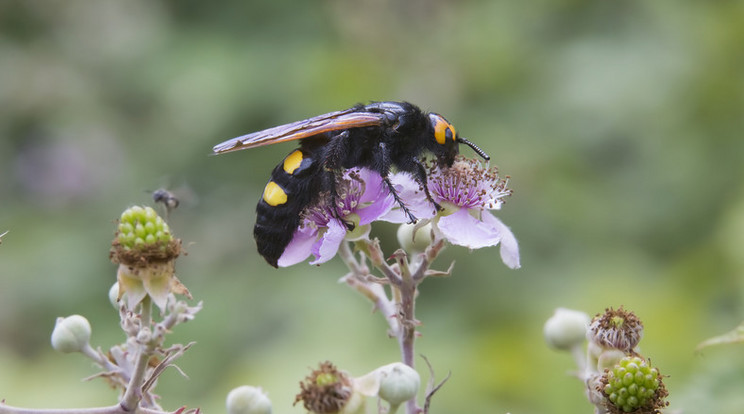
(509, 245)
(373, 188)
(462, 229)
(413, 197)
(300, 247)
(325, 248)
(372, 212)
(131, 284)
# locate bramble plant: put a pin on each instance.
(145, 251)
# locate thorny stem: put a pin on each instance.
(358, 280)
(399, 310)
(133, 394)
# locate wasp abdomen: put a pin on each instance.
(292, 187)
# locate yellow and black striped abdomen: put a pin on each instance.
(294, 184)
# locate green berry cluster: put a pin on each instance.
(141, 227)
(631, 383)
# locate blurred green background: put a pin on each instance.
(620, 123)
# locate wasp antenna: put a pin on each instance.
(474, 147)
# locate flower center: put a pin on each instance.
(468, 184)
(349, 190)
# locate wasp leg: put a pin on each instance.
(411, 218)
(420, 176)
(383, 164)
(336, 148)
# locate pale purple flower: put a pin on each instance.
(362, 199)
(466, 191)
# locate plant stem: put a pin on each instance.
(114, 409)
(133, 394)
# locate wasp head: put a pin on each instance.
(447, 140)
(445, 145)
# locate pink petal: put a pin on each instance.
(373, 211)
(373, 188)
(413, 197)
(509, 246)
(300, 247)
(462, 229)
(325, 248)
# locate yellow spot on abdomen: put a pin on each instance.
(274, 195)
(293, 161)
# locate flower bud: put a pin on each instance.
(113, 295)
(566, 329)
(608, 358)
(248, 400)
(413, 238)
(71, 334)
(398, 383)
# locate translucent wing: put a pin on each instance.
(332, 121)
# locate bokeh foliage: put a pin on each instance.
(620, 123)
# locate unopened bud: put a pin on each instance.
(71, 334)
(414, 238)
(113, 295)
(248, 400)
(398, 383)
(566, 329)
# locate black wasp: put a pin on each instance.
(380, 136)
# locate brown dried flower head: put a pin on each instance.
(618, 329)
(325, 390)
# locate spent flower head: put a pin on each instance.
(618, 329)
(326, 390)
(145, 251)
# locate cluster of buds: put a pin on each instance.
(618, 379)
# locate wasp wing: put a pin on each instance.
(332, 121)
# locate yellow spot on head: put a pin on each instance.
(293, 161)
(274, 195)
(443, 130)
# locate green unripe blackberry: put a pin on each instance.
(142, 227)
(631, 384)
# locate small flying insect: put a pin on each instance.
(3, 235)
(380, 136)
(169, 200)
